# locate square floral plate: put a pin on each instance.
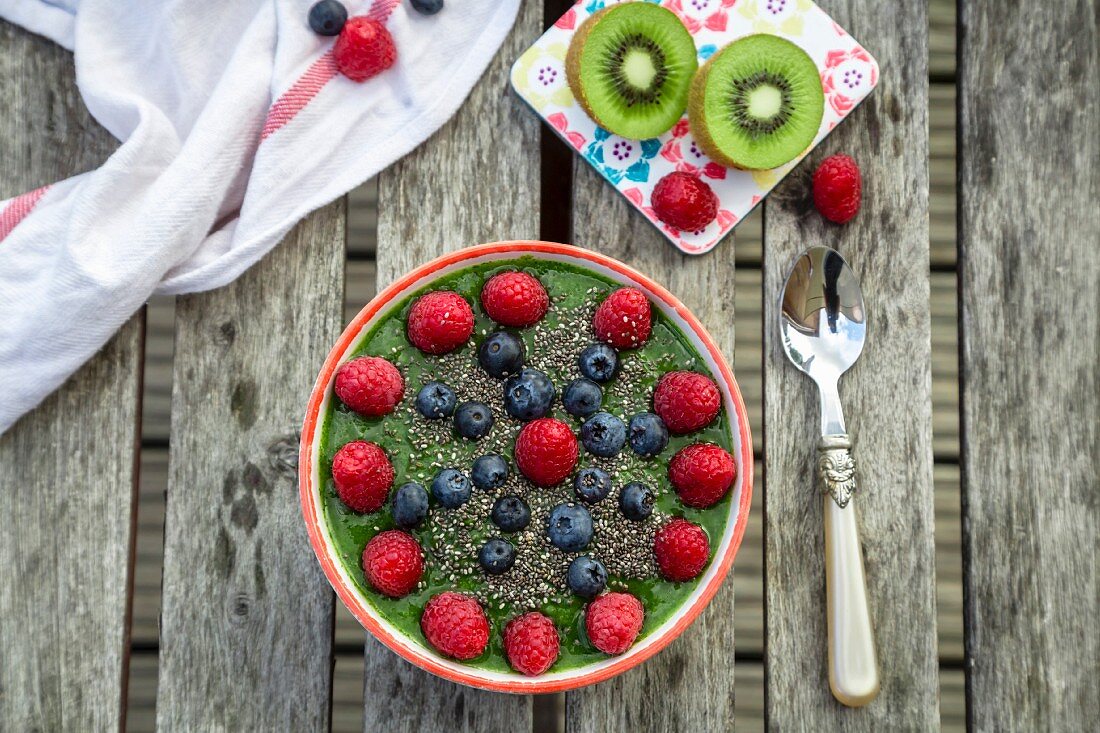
(848, 74)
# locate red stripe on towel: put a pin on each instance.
(381, 9)
(17, 210)
(320, 72)
(300, 94)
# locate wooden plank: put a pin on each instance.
(246, 628)
(475, 181)
(1030, 335)
(347, 693)
(67, 469)
(694, 674)
(887, 398)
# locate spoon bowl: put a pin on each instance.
(822, 320)
(823, 325)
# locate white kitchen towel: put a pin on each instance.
(234, 124)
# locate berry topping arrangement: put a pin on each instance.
(525, 467)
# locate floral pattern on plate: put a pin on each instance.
(848, 74)
(620, 159)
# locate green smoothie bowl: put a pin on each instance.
(525, 467)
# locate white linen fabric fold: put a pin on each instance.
(234, 125)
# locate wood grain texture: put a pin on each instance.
(1030, 325)
(476, 180)
(689, 685)
(886, 396)
(67, 469)
(246, 620)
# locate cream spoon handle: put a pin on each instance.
(853, 671)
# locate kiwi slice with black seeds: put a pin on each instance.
(630, 67)
(757, 103)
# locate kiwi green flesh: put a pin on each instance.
(635, 69)
(762, 101)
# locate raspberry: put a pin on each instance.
(370, 385)
(514, 299)
(440, 322)
(686, 401)
(363, 475)
(681, 549)
(623, 320)
(701, 474)
(613, 621)
(393, 563)
(546, 451)
(364, 49)
(531, 643)
(684, 201)
(837, 188)
(455, 625)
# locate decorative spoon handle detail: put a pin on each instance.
(853, 670)
(836, 469)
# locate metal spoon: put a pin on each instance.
(823, 326)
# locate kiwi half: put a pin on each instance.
(757, 103)
(630, 67)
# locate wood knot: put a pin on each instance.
(239, 608)
(244, 402)
(244, 513)
(282, 454)
(227, 333)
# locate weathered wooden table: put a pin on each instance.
(246, 632)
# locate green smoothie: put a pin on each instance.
(450, 538)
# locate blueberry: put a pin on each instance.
(586, 577)
(427, 7)
(603, 434)
(528, 395)
(496, 556)
(328, 17)
(582, 397)
(451, 488)
(636, 501)
(473, 420)
(570, 527)
(410, 505)
(489, 472)
(436, 400)
(592, 485)
(501, 354)
(599, 362)
(511, 513)
(648, 434)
